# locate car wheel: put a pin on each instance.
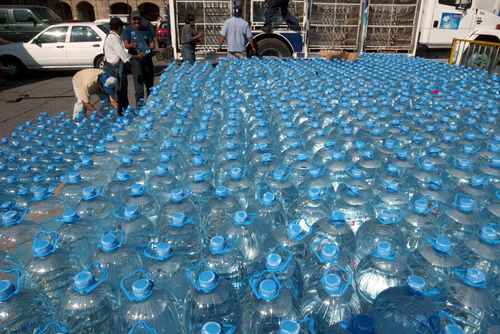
(12, 67)
(273, 47)
(99, 62)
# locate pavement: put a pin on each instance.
(24, 98)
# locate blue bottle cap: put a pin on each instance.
(302, 157)
(421, 205)
(131, 211)
(217, 244)
(332, 283)
(127, 160)
(7, 289)
(356, 172)
(268, 289)
(488, 235)
(221, 191)
(37, 178)
(427, 165)
(89, 193)
(279, 174)
(160, 171)
(211, 327)
(163, 250)
(136, 190)
(329, 251)
(314, 193)
(475, 276)
(122, 175)
(135, 149)
(289, 327)
(39, 193)
(273, 261)
(142, 288)
(207, 281)
(12, 179)
(240, 217)
(69, 216)
(109, 241)
(442, 244)
(267, 157)
(268, 198)
(83, 280)
(416, 283)
(465, 203)
(384, 249)
(389, 216)
(236, 173)
(41, 247)
(478, 181)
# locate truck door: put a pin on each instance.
(445, 23)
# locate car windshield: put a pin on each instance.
(104, 27)
(46, 15)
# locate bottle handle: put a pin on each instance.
(56, 326)
(103, 274)
(17, 273)
(53, 238)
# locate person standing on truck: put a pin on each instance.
(89, 82)
(189, 38)
(139, 40)
(237, 33)
(116, 58)
(272, 7)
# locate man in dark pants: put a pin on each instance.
(272, 7)
(116, 59)
(189, 38)
(139, 39)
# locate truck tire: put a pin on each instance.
(12, 67)
(273, 47)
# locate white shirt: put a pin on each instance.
(237, 33)
(114, 50)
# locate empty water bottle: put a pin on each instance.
(435, 260)
(419, 221)
(180, 223)
(382, 269)
(160, 183)
(272, 305)
(16, 234)
(461, 219)
(483, 251)
(90, 304)
(94, 205)
(44, 206)
(281, 263)
(408, 309)
(469, 301)
(71, 191)
(281, 184)
(147, 203)
(118, 187)
(337, 230)
(23, 310)
(50, 268)
(116, 255)
(129, 219)
(332, 300)
(145, 301)
(210, 298)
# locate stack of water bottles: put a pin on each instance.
(261, 196)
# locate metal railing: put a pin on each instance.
(478, 54)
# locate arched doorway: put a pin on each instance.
(85, 11)
(120, 8)
(149, 10)
(63, 10)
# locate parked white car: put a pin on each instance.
(59, 47)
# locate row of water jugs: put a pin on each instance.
(261, 196)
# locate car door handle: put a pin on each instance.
(96, 45)
(60, 46)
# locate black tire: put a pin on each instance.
(273, 47)
(99, 62)
(12, 67)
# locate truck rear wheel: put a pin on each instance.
(273, 47)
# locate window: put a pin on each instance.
(24, 16)
(53, 35)
(4, 16)
(46, 14)
(105, 28)
(83, 34)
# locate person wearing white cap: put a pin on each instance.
(89, 82)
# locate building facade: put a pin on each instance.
(90, 10)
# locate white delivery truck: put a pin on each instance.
(443, 20)
(369, 25)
